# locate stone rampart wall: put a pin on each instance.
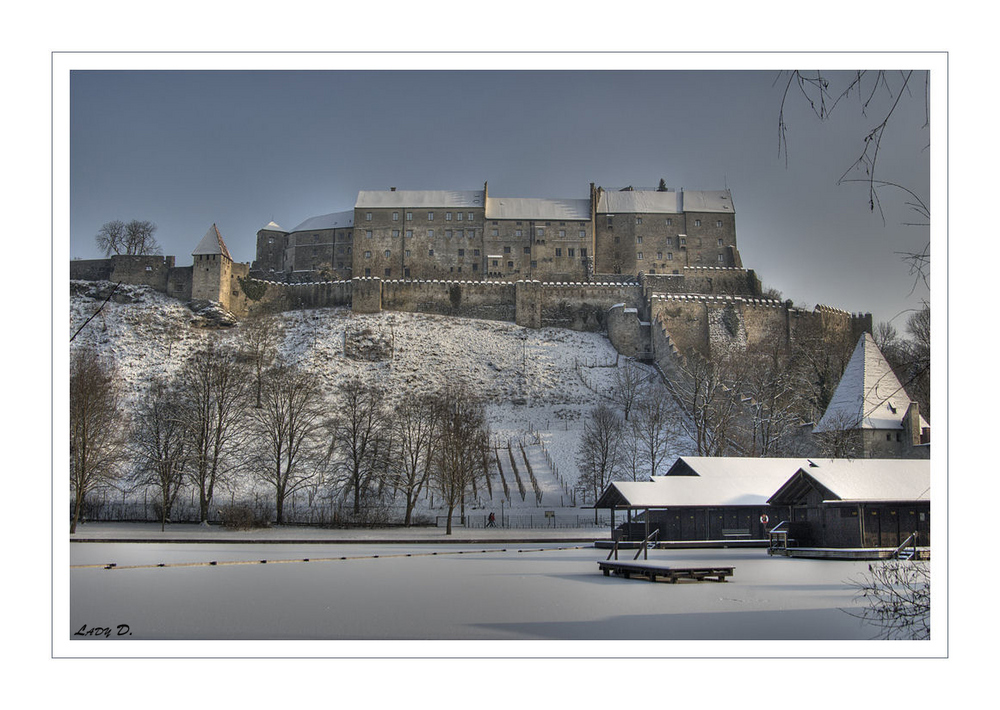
(487, 300)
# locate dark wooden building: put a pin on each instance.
(701, 498)
(864, 503)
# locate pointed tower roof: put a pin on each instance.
(212, 243)
(869, 395)
(272, 226)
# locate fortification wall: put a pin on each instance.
(90, 270)
(625, 331)
(580, 306)
(487, 300)
(708, 280)
(285, 296)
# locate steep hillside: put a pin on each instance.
(539, 384)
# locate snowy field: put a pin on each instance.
(421, 591)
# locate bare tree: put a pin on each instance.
(655, 428)
(896, 597)
(599, 457)
(704, 391)
(462, 452)
(213, 389)
(285, 426)
(133, 238)
(259, 335)
(879, 93)
(97, 425)
(359, 434)
(627, 382)
(771, 402)
(160, 447)
(414, 425)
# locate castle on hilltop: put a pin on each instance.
(472, 235)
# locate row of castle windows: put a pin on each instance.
(430, 216)
(669, 221)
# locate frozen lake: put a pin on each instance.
(524, 592)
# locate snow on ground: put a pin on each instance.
(491, 592)
(539, 384)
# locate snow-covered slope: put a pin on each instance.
(540, 384)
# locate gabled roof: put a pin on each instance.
(859, 480)
(695, 481)
(212, 243)
(868, 396)
(334, 220)
(420, 198)
(534, 208)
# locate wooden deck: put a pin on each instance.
(652, 571)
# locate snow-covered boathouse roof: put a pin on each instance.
(868, 396)
(334, 220)
(211, 243)
(859, 480)
(530, 208)
(664, 202)
(419, 198)
(703, 481)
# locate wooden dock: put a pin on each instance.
(652, 571)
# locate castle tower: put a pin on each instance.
(213, 269)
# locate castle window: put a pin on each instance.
(459, 233)
(510, 264)
(611, 218)
(407, 253)
(395, 216)
(721, 259)
(387, 254)
(583, 234)
(697, 223)
(527, 250)
(558, 251)
(541, 231)
(149, 268)
(461, 252)
(270, 240)
(506, 250)
(447, 216)
(475, 267)
(570, 252)
(638, 220)
(562, 232)
(368, 272)
(669, 221)
(583, 253)
(534, 265)
(659, 255)
(720, 242)
(447, 233)
(517, 232)
(718, 223)
(368, 216)
(388, 273)
(430, 233)
(368, 234)
(682, 241)
(638, 240)
(639, 256)
(670, 256)
(470, 216)
(409, 233)
(496, 232)
(430, 216)
(459, 216)
(368, 255)
(475, 252)
(409, 216)
(430, 252)
(395, 233)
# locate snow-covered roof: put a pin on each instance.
(870, 480)
(868, 396)
(272, 226)
(717, 481)
(665, 202)
(420, 198)
(334, 220)
(211, 243)
(531, 208)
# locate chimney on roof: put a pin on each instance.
(392, 189)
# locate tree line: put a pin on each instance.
(232, 413)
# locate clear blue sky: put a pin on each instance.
(186, 149)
